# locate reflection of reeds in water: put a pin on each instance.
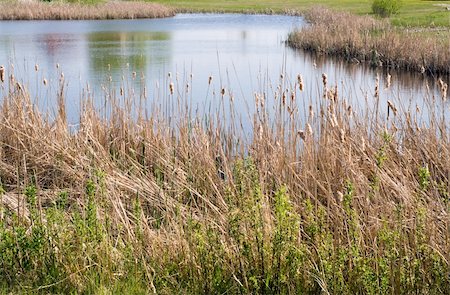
(365, 39)
(347, 200)
(68, 11)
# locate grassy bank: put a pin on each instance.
(365, 39)
(330, 198)
(412, 13)
(68, 11)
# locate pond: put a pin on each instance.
(243, 54)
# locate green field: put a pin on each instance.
(412, 13)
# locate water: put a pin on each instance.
(243, 54)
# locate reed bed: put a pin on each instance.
(373, 41)
(329, 198)
(73, 11)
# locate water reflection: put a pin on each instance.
(109, 52)
(243, 53)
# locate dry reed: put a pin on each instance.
(209, 199)
(365, 39)
(68, 11)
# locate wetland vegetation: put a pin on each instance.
(320, 194)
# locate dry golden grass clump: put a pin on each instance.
(71, 11)
(365, 39)
(332, 198)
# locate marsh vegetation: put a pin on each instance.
(329, 197)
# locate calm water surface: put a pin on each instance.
(243, 53)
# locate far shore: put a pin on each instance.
(68, 11)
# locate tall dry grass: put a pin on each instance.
(365, 39)
(332, 198)
(72, 11)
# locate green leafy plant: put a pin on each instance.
(386, 8)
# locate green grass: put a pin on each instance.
(412, 13)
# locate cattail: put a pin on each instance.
(45, 82)
(377, 86)
(210, 80)
(222, 91)
(284, 98)
(187, 87)
(391, 107)
(342, 135)
(339, 197)
(2, 74)
(311, 112)
(36, 67)
(281, 76)
(169, 74)
(388, 81)
(444, 92)
(301, 134)
(171, 88)
(350, 111)
(133, 74)
(300, 82)
(324, 80)
(121, 91)
(309, 129)
(444, 88)
(57, 65)
(292, 96)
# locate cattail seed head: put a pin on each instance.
(301, 134)
(324, 79)
(2, 74)
(210, 80)
(121, 91)
(392, 107)
(169, 74)
(57, 65)
(171, 88)
(388, 81)
(309, 129)
(45, 82)
(222, 91)
(36, 67)
(342, 135)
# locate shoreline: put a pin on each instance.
(364, 39)
(66, 11)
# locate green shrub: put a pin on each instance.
(386, 8)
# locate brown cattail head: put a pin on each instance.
(222, 91)
(121, 91)
(36, 67)
(171, 88)
(2, 74)
(311, 112)
(324, 79)
(45, 82)
(301, 134)
(210, 80)
(392, 107)
(300, 82)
